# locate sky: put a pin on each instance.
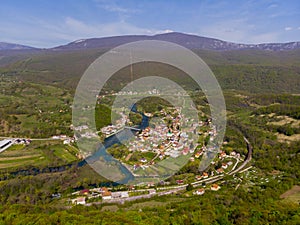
(48, 23)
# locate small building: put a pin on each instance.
(198, 177)
(115, 194)
(222, 155)
(224, 166)
(220, 170)
(152, 191)
(79, 201)
(229, 163)
(67, 141)
(106, 195)
(215, 187)
(179, 182)
(200, 191)
(198, 154)
(119, 194)
(124, 194)
(205, 175)
(233, 153)
(143, 160)
(85, 191)
(185, 151)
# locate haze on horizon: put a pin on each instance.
(51, 23)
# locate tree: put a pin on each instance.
(189, 187)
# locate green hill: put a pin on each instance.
(255, 71)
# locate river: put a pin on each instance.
(117, 138)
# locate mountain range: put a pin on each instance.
(259, 68)
(11, 46)
(187, 40)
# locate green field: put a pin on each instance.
(292, 195)
(37, 154)
(259, 90)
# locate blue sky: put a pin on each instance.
(48, 23)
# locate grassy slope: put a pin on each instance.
(261, 198)
(251, 70)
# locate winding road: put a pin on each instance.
(175, 189)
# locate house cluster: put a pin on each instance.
(59, 137)
(66, 140)
(117, 126)
(6, 143)
(80, 129)
(201, 191)
(223, 167)
(150, 92)
(22, 141)
(170, 140)
(102, 192)
(200, 152)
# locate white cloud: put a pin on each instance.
(268, 37)
(153, 32)
(288, 28)
(40, 33)
(80, 29)
(112, 6)
(233, 30)
(272, 6)
(238, 31)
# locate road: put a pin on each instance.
(33, 139)
(248, 157)
(175, 189)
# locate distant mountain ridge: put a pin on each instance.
(257, 68)
(12, 46)
(187, 40)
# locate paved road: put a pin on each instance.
(248, 157)
(175, 189)
(33, 139)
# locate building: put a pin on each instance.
(224, 166)
(85, 191)
(198, 177)
(222, 155)
(124, 194)
(79, 201)
(179, 181)
(215, 187)
(205, 175)
(200, 191)
(119, 194)
(5, 144)
(220, 170)
(106, 195)
(198, 154)
(152, 191)
(233, 153)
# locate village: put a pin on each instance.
(168, 136)
(200, 184)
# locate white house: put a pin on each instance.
(200, 191)
(79, 201)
